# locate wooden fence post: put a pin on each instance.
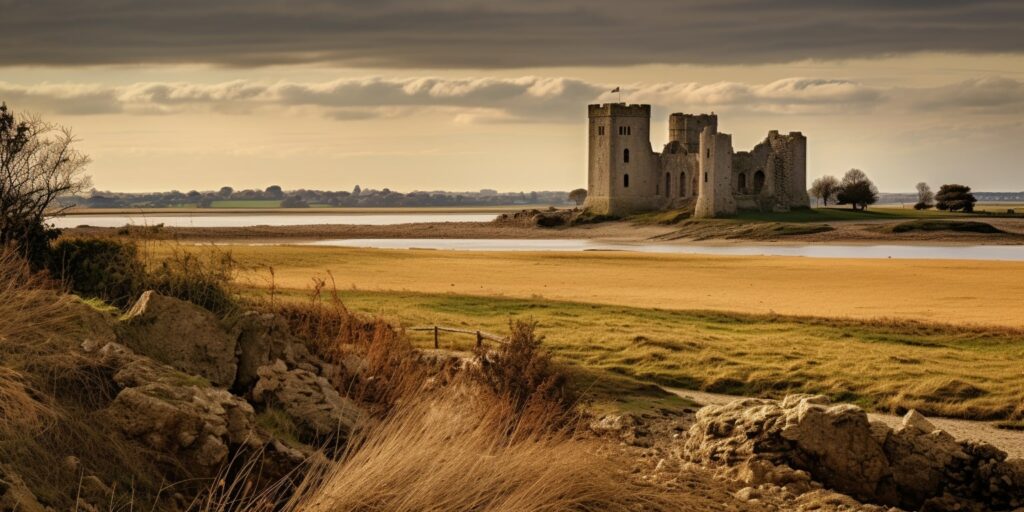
(436, 345)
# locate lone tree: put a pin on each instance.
(578, 196)
(955, 198)
(38, 165)
(857, 190)
(925, 197)
(825, 188)
(274, 192)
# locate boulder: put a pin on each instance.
(308, 398)
(182, 335)
(916, 466)
(177, 414)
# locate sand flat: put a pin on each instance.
(948, 291)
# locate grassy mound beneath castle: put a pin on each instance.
(968, 226)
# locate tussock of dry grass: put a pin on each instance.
(454, 452)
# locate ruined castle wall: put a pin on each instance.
(678, 171)
(715, 196)
(687, 129)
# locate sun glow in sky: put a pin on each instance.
(463, 95)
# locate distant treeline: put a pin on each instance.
(274, 196)
(983, 197)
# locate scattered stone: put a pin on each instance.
(917, 467)
(182, 335)
(308, 398)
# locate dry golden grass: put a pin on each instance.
(454, 452)
(980, 292)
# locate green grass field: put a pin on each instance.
(231, 203)
(617, 352)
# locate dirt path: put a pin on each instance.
(1010, 441)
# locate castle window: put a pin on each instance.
(741, 183)
(625, 181)
(629, 131)
(600, 130)
(758, 181)
(705, 177)
(682, 184)
(625, 156)
(709, 152)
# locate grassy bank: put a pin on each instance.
(883, 365)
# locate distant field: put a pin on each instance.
(245, 204)
(887, 366)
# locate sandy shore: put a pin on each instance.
(725, 231)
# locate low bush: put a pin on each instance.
(117, 272)
(105, 268)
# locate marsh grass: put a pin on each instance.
(616, 353)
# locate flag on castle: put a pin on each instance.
(616, 90)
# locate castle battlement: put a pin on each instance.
(619, 110)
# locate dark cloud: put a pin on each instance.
(492, 34)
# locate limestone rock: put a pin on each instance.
(306, 397)
(175, 413)
(264, 338)
(182, 335)
(916, 466)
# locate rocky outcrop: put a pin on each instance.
(177, 414)
(15, 495)
(308, 398)
(803, 437)
(182, 335)
(264, 338)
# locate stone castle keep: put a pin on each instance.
(697, 166)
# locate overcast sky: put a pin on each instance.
(464, 94)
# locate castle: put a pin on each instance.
(697, 166)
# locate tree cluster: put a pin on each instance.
(301, 198)
(855, 189)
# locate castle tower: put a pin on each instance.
(687, 129)
(714, 183)
(621, 166)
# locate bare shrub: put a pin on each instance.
(522, 373)
(38, 164)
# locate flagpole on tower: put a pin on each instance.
(618, 90)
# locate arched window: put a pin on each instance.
(625, 181)
(758, 181)
(668, 185)
(741, 183)
(625, 155)
(682, 184)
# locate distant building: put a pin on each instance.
(697, 166)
